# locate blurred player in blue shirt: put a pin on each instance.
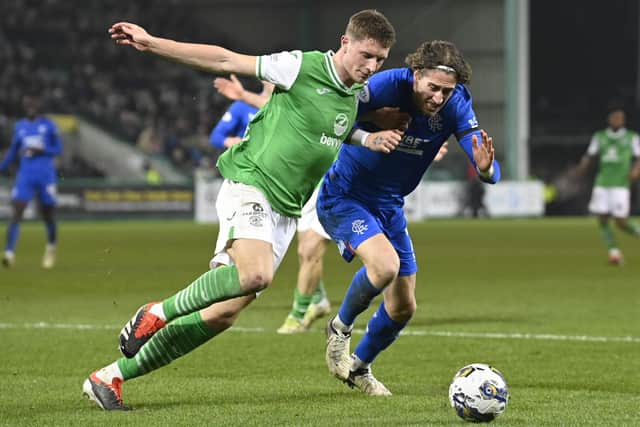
(35, 144)
(361, 199)
(231, 127)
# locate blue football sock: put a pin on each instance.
(359, 295)
(13, 231)
(51, 232)
(382, 330)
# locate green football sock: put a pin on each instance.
(215, 285)
(607, 236)
(319, 294)
(632, 229)
(300, 304)
(171, 342)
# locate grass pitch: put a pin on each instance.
(535, 298)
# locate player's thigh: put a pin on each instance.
(311, 245)
(599, 203)
(348, 222)
(394, 223)
(309, 218)
(400, 297)
(378, 250)
(620, 201)
(252, 235)
(23, 189)
(46, 189)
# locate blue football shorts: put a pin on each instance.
(350, 222)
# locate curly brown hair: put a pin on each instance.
(433, 53)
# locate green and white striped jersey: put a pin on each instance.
(294, 138)
(615, 150)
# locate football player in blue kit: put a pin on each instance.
(35, 143)
(231, 127)
(361, 199)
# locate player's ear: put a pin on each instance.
(344, 41)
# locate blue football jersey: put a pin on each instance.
(36, 143)
(234, 122)
(387, 178)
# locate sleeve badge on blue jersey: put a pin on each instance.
(364, 95)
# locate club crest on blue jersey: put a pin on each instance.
(435, 123)
(364, 95)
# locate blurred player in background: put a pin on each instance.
(310, 300)
(269, 176)
(361, 199)
(36, 142)
(233, 124)
(615, 148)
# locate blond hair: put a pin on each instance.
(371, 24)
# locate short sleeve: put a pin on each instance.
(281, 69)
(465, 117)
(593, 146)
(635, 145)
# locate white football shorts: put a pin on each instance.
(610, 200)
(244, 213)
(309, 217)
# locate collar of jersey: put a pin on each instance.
(333, 73)
(616, 133)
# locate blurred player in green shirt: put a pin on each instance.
(615, 148)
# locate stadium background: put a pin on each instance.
(103, 96)
(535, 296)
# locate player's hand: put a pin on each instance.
(389, 118)
(483, 153)
(33, 152)
(126, 33)
(230, 88)
(444, 149)
(384, 141)
(231, 141)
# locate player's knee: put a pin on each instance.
(403, 312)
(255, 281)
(384, 271)
(309, 250)
(621, 223)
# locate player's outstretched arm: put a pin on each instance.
(205, 57)
(232, 88)
(635, 171)
(387, 118)
(483, 153)
(444, 149)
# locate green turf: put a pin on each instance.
(545, 278)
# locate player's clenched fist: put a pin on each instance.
(384, 141)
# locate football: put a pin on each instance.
(478, 393)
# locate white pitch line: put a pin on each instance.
(408, 332)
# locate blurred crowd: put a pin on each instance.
(63, 48)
